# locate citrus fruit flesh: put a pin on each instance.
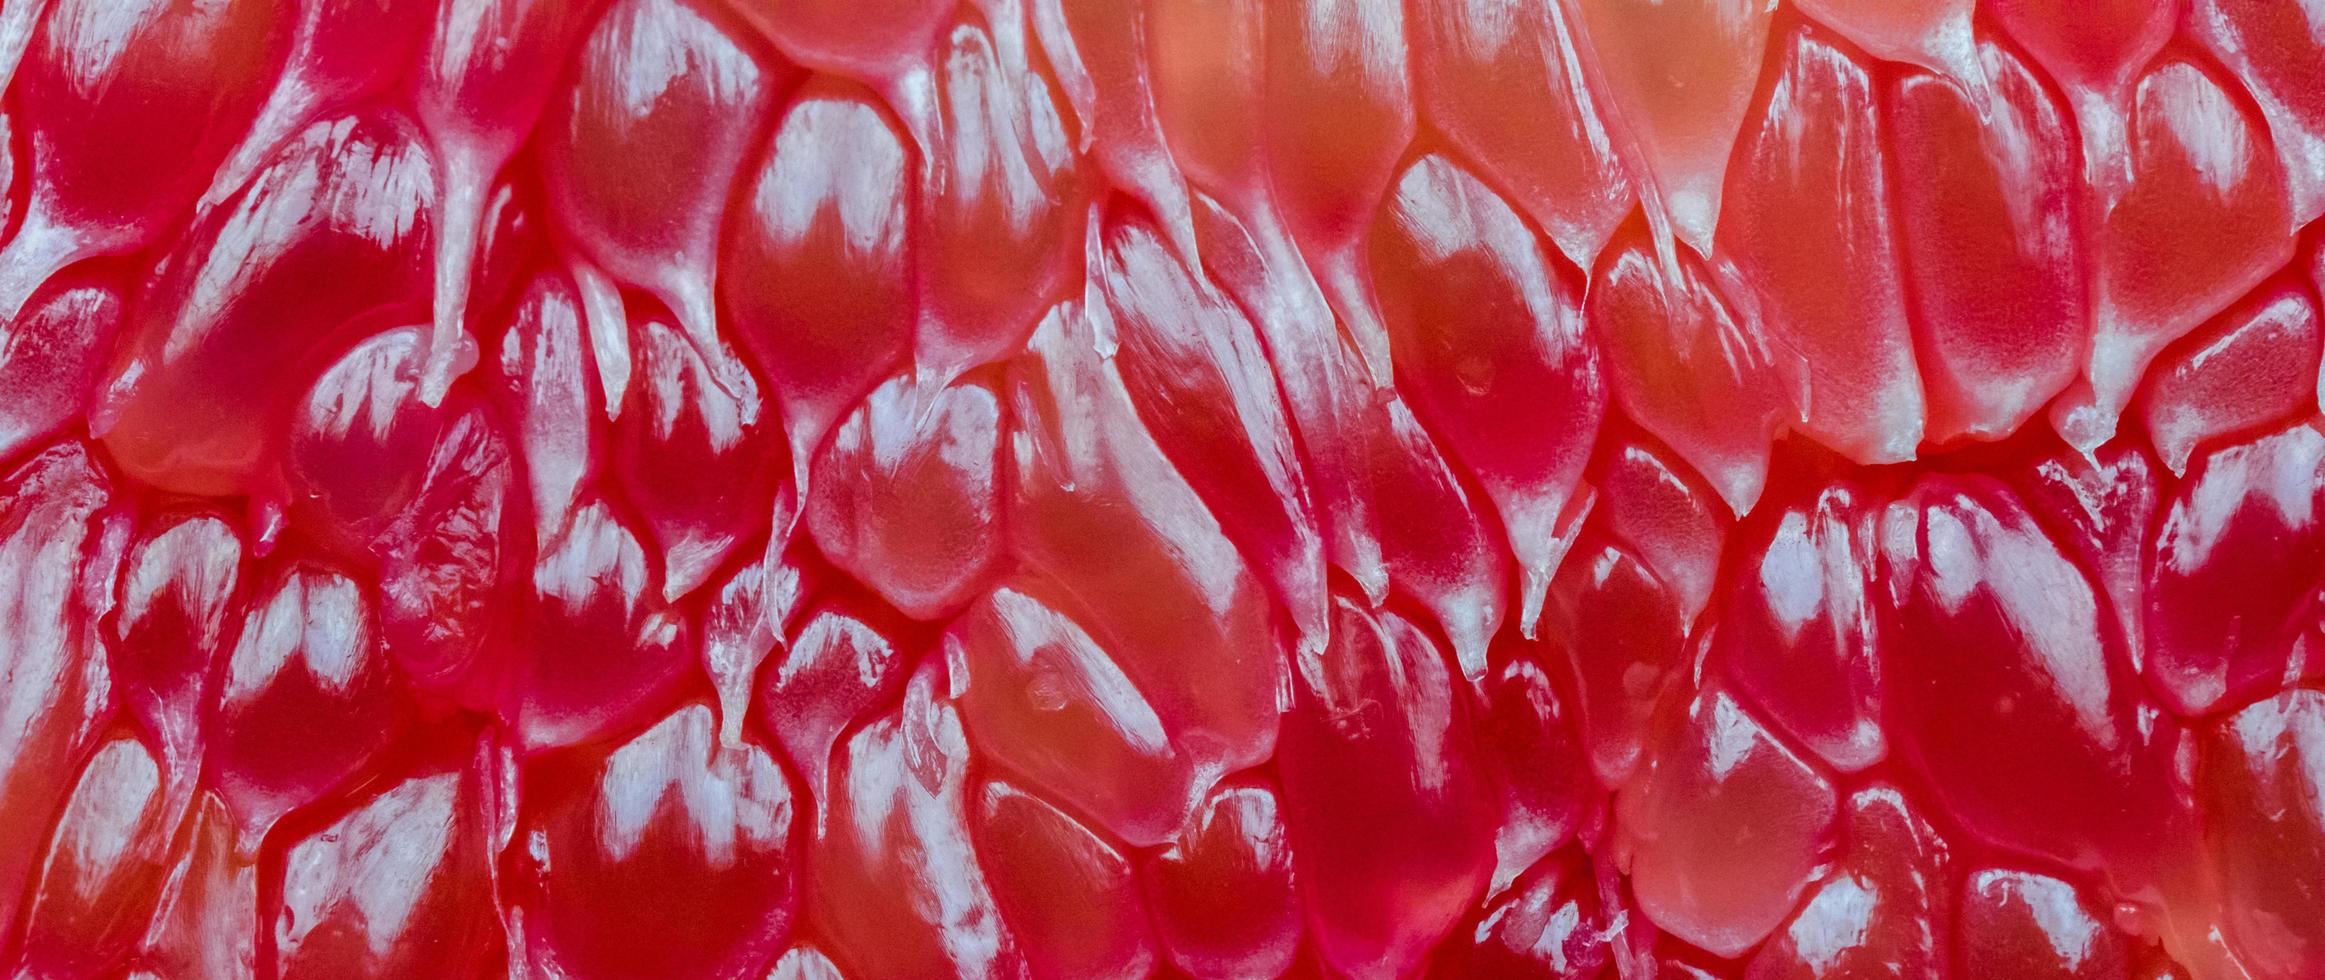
(1186, 488)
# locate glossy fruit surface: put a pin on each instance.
(1184, 488)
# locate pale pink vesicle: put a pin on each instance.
(835, 669)
(339, 52)
(1205, 64)
(1551, 923)
(1810, 225)
(830, 35)
(1109, 536)
(2197, 217)
(1042, 698)
(1682, 365)
(2234, 568)
(395, 887)
(2275, 49)
(2006, 691)
(361, 438)
(182, 582)
(2100, 507)
(1108, 55)
(1508, 83)
(1487, 333)
(669, 833)
(124, 109)
(2247, 368)
(1001, 203)
(326, 243)
(56, 669)
(484, 77)
(908, 500)
(640, 155)
(1990, 217)
(1800, 636)
(1619, 631)
(1884, 906)
(1388, 815)
(2092, 49)
(52, 354)
(446, 562)
(897, 885)
(597, 646)
(1680, 78)
(2258, 782)
(1725, 827)
(1528, 738)
(1221, 896)
(208, 921)
(1196, 371)
(698, 450)
(1066, 893)
(1337, 113)
(309, 658)
(103, 871)
(1653, 504)
(1935, 33)
(818, 254)
(2022, 924)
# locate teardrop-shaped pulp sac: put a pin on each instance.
(103, 872)
(361, 439)
(308, 658)
(1799, 636)
(125, 107)
(908, 499)
(1683, 365)
(1068, 894)
(1809, 223)
(1339, 110)
(1478, 63)
(1726, 824)
(2223, 628)
(817, 256)
(1989, 221)
(1680, 76)
(1882, 908)
(1200, 379)
(2258, 782)
(1488, 337)
(698, 452)
(1001, 199)
(52, 354)
(2007, 691)
(56, 663)
(1389, 822)
(898, 889)
(325, 244)
(394, 888)
(669, 833)
(643, 151)
(1222, 895)
(1112, 537)
(2200, 218)
(600, 647)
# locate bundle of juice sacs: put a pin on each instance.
(873, 489)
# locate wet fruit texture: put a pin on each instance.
(1198, 488)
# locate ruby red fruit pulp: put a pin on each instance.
(1188, 488)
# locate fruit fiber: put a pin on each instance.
(869, 489)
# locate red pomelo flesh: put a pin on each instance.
(1184, 488)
